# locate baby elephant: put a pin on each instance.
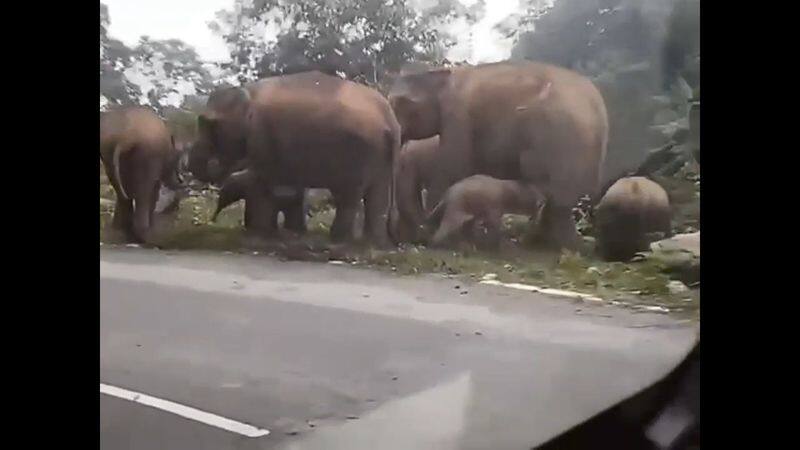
(291, 202)
(630, 212)
(481, 199)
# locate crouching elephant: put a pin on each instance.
(512, 120)
(413, 172)
(291, 202)
(631, 212)
(306, 130)
(139, 156)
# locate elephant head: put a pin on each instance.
(232, 190)
(415, 99)
(221, 135)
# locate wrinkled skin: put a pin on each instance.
(631, 213)
(306, 130)
(413, 172)
(513, 120)
(483, 200)
(235, 187)
(139, 156)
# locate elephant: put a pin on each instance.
(139, 156)
(307, 130)
(518, 120)
(234, 187)
(630, 212)
(481, 199)
(414, 169)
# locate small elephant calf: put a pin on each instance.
(481, 199)
(291, 203)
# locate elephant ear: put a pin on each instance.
(403, 103)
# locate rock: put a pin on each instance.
(489, 276)
(681, 135)
(667, 131)
(593, 270)
(665, 116)
(168, 200)
(660, 101)
(681, 91)
(678, 258)
(676, 287)
(689, 242)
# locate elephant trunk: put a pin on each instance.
(435, 217)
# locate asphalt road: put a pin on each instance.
(332, 357)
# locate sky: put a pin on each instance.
(187, 20)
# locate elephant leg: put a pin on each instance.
(347, 204)
(376, 213)
(493, 225)
(248, 212)
(145, 196)
(558, 228)
(451, 223)
(408, 215)
(260, 213)
(294, 213)
(123, 210)
(123, 215)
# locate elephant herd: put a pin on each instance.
(481, 141)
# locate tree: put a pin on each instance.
(115, 88)
(156, 73)
(360, 40)
(167, 71)
(642, 54)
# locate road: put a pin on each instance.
(334, 357)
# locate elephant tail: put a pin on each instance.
(117, 173)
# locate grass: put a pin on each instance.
(639, 283)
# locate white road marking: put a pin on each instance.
(541, 290)
(184, 411)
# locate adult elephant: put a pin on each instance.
(139, 156)
(511, 120)
(414, 169)
(305, 130)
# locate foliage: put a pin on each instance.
(156, 73)
(360, 40)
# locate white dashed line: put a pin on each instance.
(184, 411)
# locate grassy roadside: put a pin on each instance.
(641, 284)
